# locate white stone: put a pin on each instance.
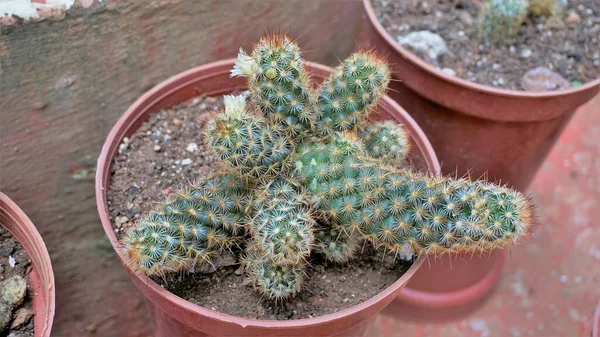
(425, 43)
(449, 71)
(191, 147)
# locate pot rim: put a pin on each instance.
(405, 53)
(148, 100)
(38, 255)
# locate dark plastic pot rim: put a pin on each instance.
(109, 149)
(462, 82)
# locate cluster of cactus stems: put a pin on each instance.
(302, 171)
(501, 20)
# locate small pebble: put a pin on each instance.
(124, 145)
(120, 220)
(554, 23)
(191, 147)
(512, 49)
(13, 290)
(346, 300)
(157, 148)
(465, 18)
(12, 262)
(176, 122)
(572, 18)
(186, 161)
(21, 317)
(526, 53)
(543, 79)
(449, 71)
(496, 66)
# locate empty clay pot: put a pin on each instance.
(172, 315)
(41, 277)
(500, 135)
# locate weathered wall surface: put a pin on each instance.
(63, 84)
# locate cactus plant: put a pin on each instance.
(500, 20)
(547, 8)
(301, 171)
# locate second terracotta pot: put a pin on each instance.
(500, 135)
(41, 277)
(172, 315)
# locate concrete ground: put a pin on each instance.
(551, 284)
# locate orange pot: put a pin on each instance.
(173, 316)
(41, 277)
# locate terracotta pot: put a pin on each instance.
(596, 322)
(173, 316)
(501, 135)
(41, 277)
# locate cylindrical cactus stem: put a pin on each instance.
(386, 141)
(282, 228)
(279, 83)
(337, 244)
(351, 92)
(189, 226)
(500, 20)
(277, 282)
(394, 208)
(247, 142)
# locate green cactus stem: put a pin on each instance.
(351, 92)
(394, 208)
(337, 244)
(189, 226)
(247, 142)
(279, 83)
(283, 226)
